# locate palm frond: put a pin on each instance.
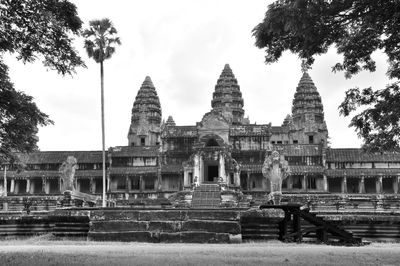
(100, 39)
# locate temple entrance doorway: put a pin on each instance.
(211, 172)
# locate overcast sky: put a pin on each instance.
(183, 46)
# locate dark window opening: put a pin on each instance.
(284, 183)
(254, 184)
(212, 143)
(53, 186)
(133, 144)
(279, 142)
(121, 183)
(99, 186)
(135, 183)
(143, 141)
(84, 185)
(232, 177)
(149, 184)
(296, 182)
(310, 139)
(212, 173)
(190, 177)
(295, 141)
(311, 183)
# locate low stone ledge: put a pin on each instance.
(106, 215)
(162, 215)
(121, 226)
(194, 237)
(133, 236)
(224, 215)
(230, 227)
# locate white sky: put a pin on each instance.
(183, 46)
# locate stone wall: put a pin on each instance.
(197, 226)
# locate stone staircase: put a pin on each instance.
(206, 196)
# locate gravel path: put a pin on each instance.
(267, 253)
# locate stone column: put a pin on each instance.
(304, 183)
(344, 184)
(126, 187)
(201, 177)
(108, 184)
(12, 186)
(59, 184)
(196, 169)
(159, 181)
(77, 184)
(92, 186)
(186, 178)
(290, 183)
(28, 186)
(141, 184)
(325, 183)
(248, 182)
(362, 185)
(221, 170)
(378, 184)
(396, 184)
(44, 181)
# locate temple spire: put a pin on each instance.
(227, 98)
(146, 116)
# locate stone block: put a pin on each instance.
(170, 237)
(230, 227)
(135, 236)
(165, 226)
(224, 215)
(120, 226)
(162, 215)
(194, 237)
(104, 215)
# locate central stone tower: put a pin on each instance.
(227, 98)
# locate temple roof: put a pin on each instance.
(358, 155)
(306, 99)
(135, 151)
(358, 172)
(49, 157)
(227, 98)
(148, 103)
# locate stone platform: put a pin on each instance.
(189, 226)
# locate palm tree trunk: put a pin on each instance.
(103, 133)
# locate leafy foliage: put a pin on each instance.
(32, 29)
(19, 119)
(100, 40)
(357, 28)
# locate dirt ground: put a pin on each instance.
(43, 252)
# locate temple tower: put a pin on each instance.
(227, 98)
(308, 113)
(145, 125)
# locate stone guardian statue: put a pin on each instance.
(275, 169)
(67, 171)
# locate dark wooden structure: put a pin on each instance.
(323, 230)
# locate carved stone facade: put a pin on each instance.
(163, 158)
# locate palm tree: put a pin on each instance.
(100, 41)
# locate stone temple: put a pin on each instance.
(224, 147)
